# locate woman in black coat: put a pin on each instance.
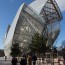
(23, 61)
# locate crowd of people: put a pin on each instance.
(25, 60)
(30, 60)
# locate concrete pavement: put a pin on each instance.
(8, 62)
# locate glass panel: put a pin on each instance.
(53, 32)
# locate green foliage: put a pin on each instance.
(54, 49)
(63, 51)
(38, 43)
(15, 50)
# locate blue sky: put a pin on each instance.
(8, 9)
(61, 36)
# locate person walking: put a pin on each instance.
(14, 61)
(34, 58)
(29, 60)
(64, 59)
(5, 58)
(23, 60)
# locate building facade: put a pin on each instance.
(43, 17)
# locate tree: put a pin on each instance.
(2, 53)
(55, 52)
(55, 49)
(63, 44)
(38, 43)
(15, 50)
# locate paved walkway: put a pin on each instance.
(8, 62)
(3, 62)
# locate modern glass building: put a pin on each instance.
(42, 16)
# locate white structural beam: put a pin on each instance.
(38, 4)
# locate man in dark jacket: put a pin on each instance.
(14, 61)
(34, 58)
(23, 60)
(64, 58)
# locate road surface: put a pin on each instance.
(8, 62)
